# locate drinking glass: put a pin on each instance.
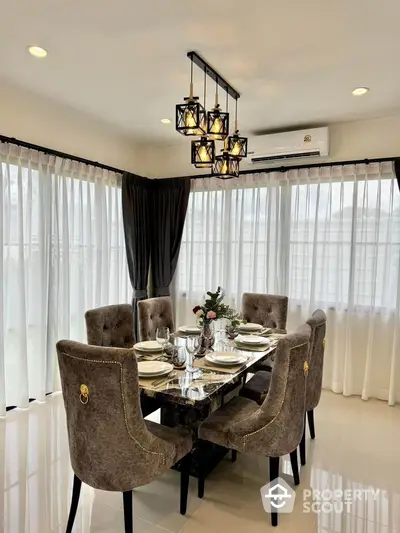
(178, 358)
(192, 346)
(162, 336)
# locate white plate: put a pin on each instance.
(250, 327)
(190, 329)
(148, 346)
(226, 358)
(153, 368)
(252, 339)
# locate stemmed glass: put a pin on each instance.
(162, 336)
(192, 346)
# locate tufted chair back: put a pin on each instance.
(317, 322)
(154, 313)
(110, 326)
(276, 428)
(268, 310)
(110, 445)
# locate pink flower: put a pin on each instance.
(211, 315)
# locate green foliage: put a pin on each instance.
(221, 310)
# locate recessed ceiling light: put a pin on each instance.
(359, 91)
(37, 51)
(165, 121)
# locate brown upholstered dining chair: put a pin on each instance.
(111, 326)
(276, 427)
(111, 446)
(268, 310)
(154, 313)
(317, 322)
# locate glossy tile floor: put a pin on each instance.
(357, 447)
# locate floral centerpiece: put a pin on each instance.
(214, 309)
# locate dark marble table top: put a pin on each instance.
(202, 387)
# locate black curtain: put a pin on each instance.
(168, 200)
(135, 210)
(397, 170)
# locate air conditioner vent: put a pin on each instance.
(262, 159)
(290, 145)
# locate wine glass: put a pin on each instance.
(162, 336)
(192, 346)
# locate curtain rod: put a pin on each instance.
(50, 151)
(297, 167)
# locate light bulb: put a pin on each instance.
(203, 154)
(217, 126)
(224, 169)
(189, 119)
(236, 148)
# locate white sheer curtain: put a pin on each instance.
(327, 237)
(62, 252)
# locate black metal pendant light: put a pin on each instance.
(203, 153)
(203, 149)
(226, 165)
(217, 121)
(237, 145)
(190, 117)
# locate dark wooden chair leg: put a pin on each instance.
(185, 473)
(201, 444)
(295, 467)
(128, 516)
(302, 447)
(310, 416)
(234, 456)
(273, 474)
(76, 490)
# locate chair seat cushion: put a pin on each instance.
(257, 387)
(181, 438)
(215, 428)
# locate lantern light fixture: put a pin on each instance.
(203, 153)
(237, 145)
(217, 121)
(190, 116)
(226, 165)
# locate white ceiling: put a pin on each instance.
(124, 62)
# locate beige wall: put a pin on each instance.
(33, 119)
(350, 140)
(37, 120)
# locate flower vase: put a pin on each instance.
(207, 338)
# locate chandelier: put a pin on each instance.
(192, 120)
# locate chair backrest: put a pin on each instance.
(277, 427)
(110, 446)
(154, 313)
(269, 310)
(317, 322)
(110, 326)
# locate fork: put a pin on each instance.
(164, 380)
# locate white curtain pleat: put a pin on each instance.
(327, 237)
(62, 253)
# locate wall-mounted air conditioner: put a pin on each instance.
(289, 145)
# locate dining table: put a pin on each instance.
(187, 398)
